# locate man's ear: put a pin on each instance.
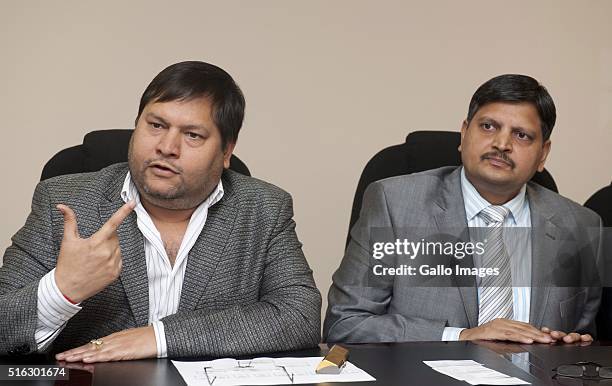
(464, 127)
(227, 154)
(545, 152)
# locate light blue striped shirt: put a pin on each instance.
(518, 246)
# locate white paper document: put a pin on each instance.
(473, 373)
(264, 371)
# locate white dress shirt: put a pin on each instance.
(518, 246)
(165, 280)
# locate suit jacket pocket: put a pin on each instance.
(571, 310)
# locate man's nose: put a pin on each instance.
(503, 140)
(169, 144)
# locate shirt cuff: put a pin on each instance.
(53, 310)
(160, 339)
(451, 333)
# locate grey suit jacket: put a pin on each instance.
(247, 287)
(566, 248)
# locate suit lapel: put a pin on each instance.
(545, 237)
(203, 257)
(134, 272)
(452, 224)
(209, 247)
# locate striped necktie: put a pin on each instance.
(495, 299)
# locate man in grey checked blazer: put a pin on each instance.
(504, 141)
(247, 287)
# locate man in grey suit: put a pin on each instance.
(540, 286)
(169, 255)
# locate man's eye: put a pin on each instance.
(522, 136)
(193, 135)
(156, 125)
(487, 126)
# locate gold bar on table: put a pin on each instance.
(334, 361)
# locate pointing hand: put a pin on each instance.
(87, 266)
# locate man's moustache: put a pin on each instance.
(148, 163)
(499, 155)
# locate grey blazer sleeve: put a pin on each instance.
(586, 323)
(286, 317)
(358, 301)
(32, 254)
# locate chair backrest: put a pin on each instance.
(423, 150)
(601, 203)
(100, 149)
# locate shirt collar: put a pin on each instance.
(475, 203)
(129, 192)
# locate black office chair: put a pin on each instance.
(423, 150)
(601, 203)
(100, 149)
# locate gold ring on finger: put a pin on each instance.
(97, 343)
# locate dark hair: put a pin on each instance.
(516, 89)
(191, 80)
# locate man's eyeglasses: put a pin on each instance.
(584, 370)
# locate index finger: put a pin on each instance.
(116, 219)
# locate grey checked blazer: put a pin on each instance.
(247, 289)
(566, 255)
